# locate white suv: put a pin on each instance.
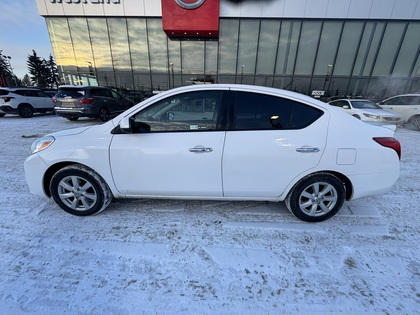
(25, 101)
(408, 105)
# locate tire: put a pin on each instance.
(26, 111)
(356, 116)
(72, 118)
(414, 122)
(316, 198)
(2, 115)
(80, 191)
(104, 114)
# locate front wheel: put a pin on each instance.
(80, 191)
(316, 198)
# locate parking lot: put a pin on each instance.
(190, 257)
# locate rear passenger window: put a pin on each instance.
(264, 112)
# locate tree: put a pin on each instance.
(43, 72)
(26, 81)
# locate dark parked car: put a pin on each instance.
(73, 102)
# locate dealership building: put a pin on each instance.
(365, 48)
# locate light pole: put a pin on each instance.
(172, 71)
(242, 72)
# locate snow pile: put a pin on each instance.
(197, 257)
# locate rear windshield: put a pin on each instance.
(70, 93)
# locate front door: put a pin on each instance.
(181, 155)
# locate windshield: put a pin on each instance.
(365, 105)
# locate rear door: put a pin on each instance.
(272, 140)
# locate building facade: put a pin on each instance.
(343, 47)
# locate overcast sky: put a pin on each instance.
(22, 30)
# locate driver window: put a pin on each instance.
(195, 111)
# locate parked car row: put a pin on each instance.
(400, 109)
(73, 102)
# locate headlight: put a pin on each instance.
(372, 116)
(42, 144)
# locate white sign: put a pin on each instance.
(317, 94)
(86, 1)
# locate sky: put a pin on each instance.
(22, 31)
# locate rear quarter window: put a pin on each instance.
(255, 111)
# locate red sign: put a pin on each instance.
(191, 19)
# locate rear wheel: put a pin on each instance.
(26, 111)
(72, 118)
(316, 198)
(104, 114)
(2, 115)
(80, 191)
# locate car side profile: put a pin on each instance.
(25, 101)
(218, 142)
(408, 105)
(73, 102)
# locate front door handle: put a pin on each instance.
(201, 150)
(307, 150)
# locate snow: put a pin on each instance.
(200, 257)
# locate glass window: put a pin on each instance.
(58, 29)
(372, 51)
(158, 46)
(269, 36)
(138, 45)
(195, 111)
(308, 44)
(192, 58)
(101, 51)
(210, 66)
(288, 43)
(248, 42)
(264, 112)
(81, 44)
(389, 48)
(327, 47)
(228, 42)
(408, 50)
(348, 48)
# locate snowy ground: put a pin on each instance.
(176, 257)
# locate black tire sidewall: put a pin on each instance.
(293, 198)
(86, 176)
(104, 117)
(26, 111)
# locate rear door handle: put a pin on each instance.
(201, 150)
(307, 150)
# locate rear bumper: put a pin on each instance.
(75, 112)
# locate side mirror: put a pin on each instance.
(129, 125)
(346, 107)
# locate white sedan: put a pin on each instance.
(218, 142)
(368, 111)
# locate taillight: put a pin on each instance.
(86, 100)
(390, 142)
(54, 100)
